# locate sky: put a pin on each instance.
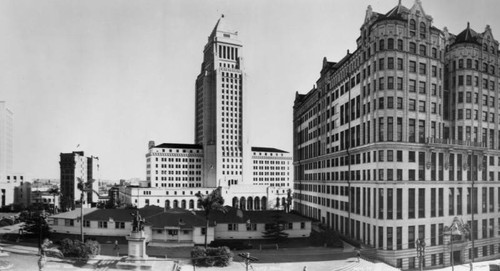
(112, 75)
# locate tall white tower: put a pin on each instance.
(220, 110)
(6, 144)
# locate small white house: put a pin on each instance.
(238, 224)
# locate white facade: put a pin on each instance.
(8, 185)
(254, 230)
(271, 167)
(174, 165)
(6, 139)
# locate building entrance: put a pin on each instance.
(456, 255)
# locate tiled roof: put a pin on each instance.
(122, 214)
(467, 36)
(75, 213)
(177, 218)
(396, 13)
(178, 146)
(265, 149)
(234, 215)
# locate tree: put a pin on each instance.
(54, 191)
(276, 230)
(211, 202)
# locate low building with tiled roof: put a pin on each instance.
(177, 225)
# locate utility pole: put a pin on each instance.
(248, 259)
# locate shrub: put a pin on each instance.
(77, 249)
(212, 256)
(328, 237)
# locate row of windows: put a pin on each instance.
(468, 64)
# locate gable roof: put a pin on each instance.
(234, 215)
(124, 215)
(181, 218)
(74, 214)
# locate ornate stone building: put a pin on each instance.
(400, 137)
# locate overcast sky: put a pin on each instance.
(112, 75)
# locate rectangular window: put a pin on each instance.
(412, 104)
(411, 203)
(234, 227)
(399, 132)
(400, 63)
(411, 236)
(421, 106)
(102, 224)
(390, 82)
(412, 85)
(422, 68)
(390, 63)
(421, 202)
(399, 85)
(421, 87)
(413, 66)
(119, 225)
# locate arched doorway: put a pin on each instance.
(167, 204)
(256, 203)
(183, 204)
(264, 203)
(235, 202)
(243, 203)
(191, 204)
(250, 203)
(277, 202)
(176, 204)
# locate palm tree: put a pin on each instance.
(54, 191)
(211, 202)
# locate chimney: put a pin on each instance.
(151, 144)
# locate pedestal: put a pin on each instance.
(137, 258)
(137, 245)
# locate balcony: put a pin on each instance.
(455, 142)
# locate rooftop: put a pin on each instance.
(265, 149)
(179, 146)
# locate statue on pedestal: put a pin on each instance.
(138, 222)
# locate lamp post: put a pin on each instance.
(421, 252)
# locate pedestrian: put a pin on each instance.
(41, 262)
(358, 254)
(117, 248)
(305, 268)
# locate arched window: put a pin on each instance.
(167, 204)
(381, 45)
(176, 204)
(191, 204)
(413, 27)
(183, 204)
(423, 30)
(434, 53)
(390, 44)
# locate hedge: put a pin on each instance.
(212, 256)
